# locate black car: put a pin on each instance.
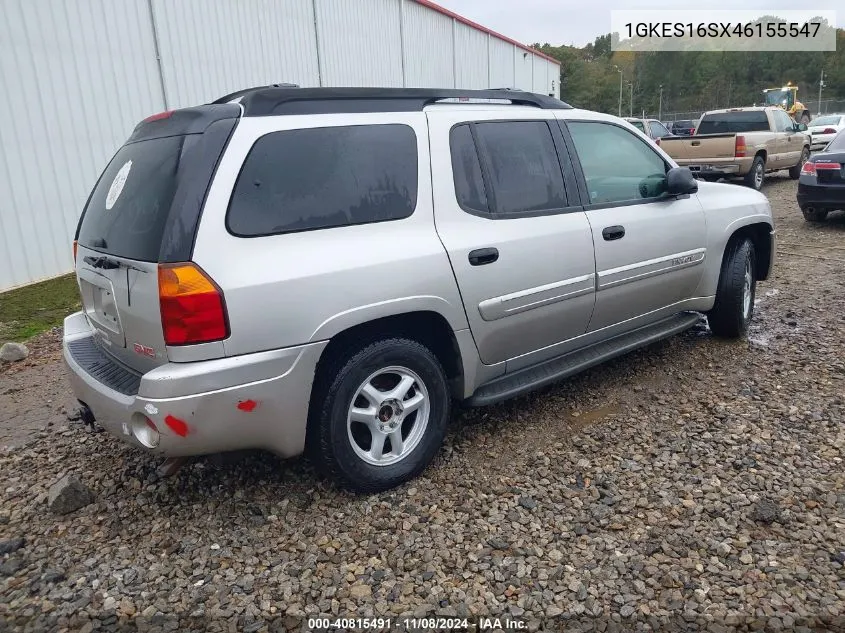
(682, 128)
(821, 186)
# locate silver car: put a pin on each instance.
(328, 270)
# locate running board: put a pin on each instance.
(547, 372)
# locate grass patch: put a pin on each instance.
(32, 309)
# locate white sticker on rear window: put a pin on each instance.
(117, 184)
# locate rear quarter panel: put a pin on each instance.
(295, 288)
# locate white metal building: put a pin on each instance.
(77, 76)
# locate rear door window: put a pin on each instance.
(128, 209)
(523, 166)
(300, 180)
(734, 122)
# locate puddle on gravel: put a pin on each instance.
(588, 418)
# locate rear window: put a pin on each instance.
(639, 125)
(128, 209)
(826, 120)
(299, 180)
(838, 143)
(734, 122)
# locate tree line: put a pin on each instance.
(691, 80)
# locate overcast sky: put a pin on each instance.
(572, 22)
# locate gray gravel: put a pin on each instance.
(695, 484)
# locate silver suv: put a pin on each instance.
(327, 270)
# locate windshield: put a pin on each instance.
(826, 120)
(779, 97)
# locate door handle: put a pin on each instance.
(481, 256)
(611, 233)
(695, 143)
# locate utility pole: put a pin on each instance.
(619, 70)
(821, 85)
(631, 106)
(660, 105)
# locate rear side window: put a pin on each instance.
(128, 209)
(734, 122)
(299, 180)
(469, 182)
(523, 166)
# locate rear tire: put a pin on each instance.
(362, 431)
(734, 307)
(755, 177)
(795, 171)
(811, 214)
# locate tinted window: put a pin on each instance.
(299, 180)
(734, 122)
(838, 143)
(523, 166)
(469, 183)
(129, 206)
(618, 165)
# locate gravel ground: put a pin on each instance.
(694, 484)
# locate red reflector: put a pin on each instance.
(827, 165)
(74, 251)
(157, 117)
(192, 309)
(657, 141)
(809, 169)
(176, 425)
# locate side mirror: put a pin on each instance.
(680, 181)
(802, 127)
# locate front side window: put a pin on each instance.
(658, 130)
(299, 180)
(783, 122)
(618, 166)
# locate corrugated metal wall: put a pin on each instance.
(77, 76)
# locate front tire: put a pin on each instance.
(755, 177)
(734, 307)
(379, 415)
(795, 171)
(811, 214)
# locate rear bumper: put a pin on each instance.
(714, 169)
(251, 401)
(818, 141)
(821, 197)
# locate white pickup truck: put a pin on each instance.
(742, 143)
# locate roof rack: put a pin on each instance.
(275, 100)
(240, 93)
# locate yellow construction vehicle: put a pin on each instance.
(787, 98)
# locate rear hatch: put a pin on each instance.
(143, 211)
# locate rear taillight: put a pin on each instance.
(808, 169)
(834, 166)
(157, 117)
(192, 308)
(740, 148)
(74, 251)
(828, 130)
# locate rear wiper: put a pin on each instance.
(107, 263)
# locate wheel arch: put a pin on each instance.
(427, 327)
(760, 234)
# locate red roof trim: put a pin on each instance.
(463, 20)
